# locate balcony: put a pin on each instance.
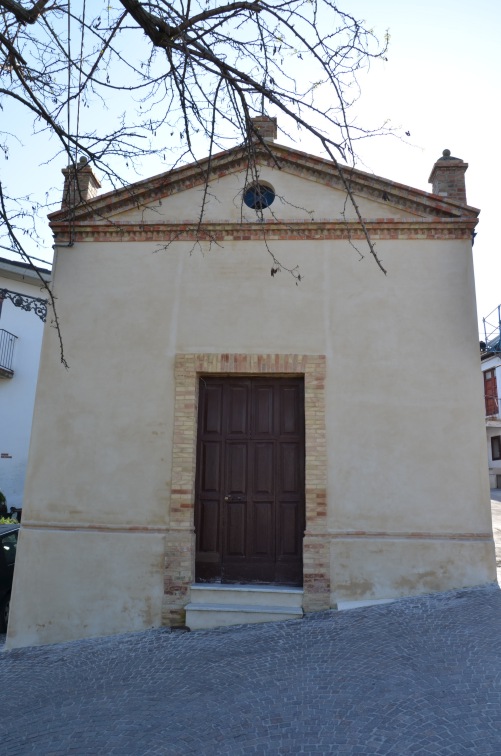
(7, 341)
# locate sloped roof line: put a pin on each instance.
(229, 161)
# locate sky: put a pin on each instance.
(440, 83)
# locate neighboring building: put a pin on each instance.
(225, 436)
(491, 372)
(21, 333)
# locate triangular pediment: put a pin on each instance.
(307, 188)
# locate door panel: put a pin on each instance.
(209, 526)
(236, 467)
(289, 415)
(213, 410)
(289, 530)
(211, 466)
(238, 410)
(235, 530)
(263, 410)
(261, 529)
(290, 468)
(263, 468)
(249, 509)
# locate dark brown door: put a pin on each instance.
(249, 509)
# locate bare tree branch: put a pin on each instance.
(179, 80)
(22, 15)
(44, 284)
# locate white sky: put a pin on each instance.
(441, 83)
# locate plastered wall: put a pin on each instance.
(407, 503)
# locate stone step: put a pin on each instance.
(222, 605)
(264, 595)
(207, 616)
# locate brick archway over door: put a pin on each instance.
(180, 547)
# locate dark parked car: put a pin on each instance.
(8, 546)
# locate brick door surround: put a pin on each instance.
(179, 569)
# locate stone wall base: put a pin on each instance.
(316, 572)
(179, 574)
(375, 567)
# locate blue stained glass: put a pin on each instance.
(258, 196)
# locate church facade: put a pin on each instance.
(250, 402)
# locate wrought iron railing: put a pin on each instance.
(7, 341)
(27, 303)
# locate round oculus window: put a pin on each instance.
(259, 196)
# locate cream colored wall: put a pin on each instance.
(378, 568)
(406, 440)
(76, 584)
(404, 359)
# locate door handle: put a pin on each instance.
(233, 497)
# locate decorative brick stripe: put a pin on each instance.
(178, 574)
(272, 230)
(90, 527)
(316, 571)
(180, 545)
(378, 535)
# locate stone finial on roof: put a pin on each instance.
(80, 184)
(266, 126)
(447, 177)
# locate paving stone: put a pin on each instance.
(420, 676)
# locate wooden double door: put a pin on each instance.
(250, 496)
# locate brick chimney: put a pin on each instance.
(266, 126)
(447, 177)
(80, 184)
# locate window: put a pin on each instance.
(490, 392)
(259, 196)
(496, 447)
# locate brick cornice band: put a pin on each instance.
(300, 230)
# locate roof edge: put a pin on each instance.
(375, 187)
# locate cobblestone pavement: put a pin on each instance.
(420, 676)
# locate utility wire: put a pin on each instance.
(69, 77)
(80, 75)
